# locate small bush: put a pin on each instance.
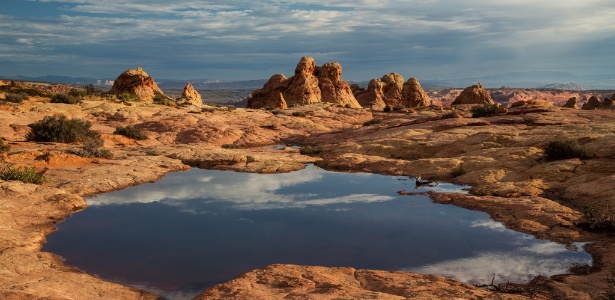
(372, 122)
(269, 108)
(208, 109)
(231, 107)
(23, 174)
(60, 129)
(3, 147)
(64, 98)
(277, 112)
(451, 115)
(398, 108)
(131, 132)
(164, 100)
(483, 110)
(347, 106)
(480, 191)
(90, 89)
(15, 97)
(92, 148)
(153, 152)
(298, 114)
(599, 220)
(128, 97)
(557, 150)
(310, 150)
(386, 109)
(77, 93)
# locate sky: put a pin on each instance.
(241, 40)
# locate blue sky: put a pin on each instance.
(237, 40)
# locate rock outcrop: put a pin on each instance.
(310, 84)
(413, 94)
(138, 83)
(594, 103)
(474, 94)
(190, 96)
(390, 90)
(571, 103)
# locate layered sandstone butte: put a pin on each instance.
(310, 84)
(571, 103)
(594, 103)
(390, 90)
(138, 83)
(190, 96)
(474, 94)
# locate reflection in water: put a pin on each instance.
(197, 228)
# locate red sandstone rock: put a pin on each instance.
(474, 94)
(413, 94)
(572, 103)
(138, 83)
(190, 96)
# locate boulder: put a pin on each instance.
(413, 95)
(373, 97)
(571, 103)
(310, 84)
(474, 94)
(138, 83)
(190, 96)
(592, 103)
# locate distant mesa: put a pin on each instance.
(390, 90)
(474, 94)
(138, 83)
(310, 84)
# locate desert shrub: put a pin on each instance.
(89, 89)
(599, 220)
(23, 174)
(60, 129)
(153, 152)
(65, 98)
(3, 147)
(231, 107)
(164, 100)
(298, 114)
(128, 97)
(310, 150)
(269, 108)
(131, 132)
(483, 110)
(451, 115)
(386, 109)
(480, 191)
(21, 89)
(528, 120)
(231, 146)
(557, 150)
(347, 105)
(398, 108)
(208, 109)
(372, 122)
(77, 93)
(15, 97)
(277, 112)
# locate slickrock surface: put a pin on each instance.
(500, 156)
(311, 84)
(474, 94)
(138, 83)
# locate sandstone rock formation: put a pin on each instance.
(310, 84)
(474, 94)
(190, 96)
(572, 103)
(390, 90)
(138, 83)
(413, 94)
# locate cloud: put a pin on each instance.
(258, 38)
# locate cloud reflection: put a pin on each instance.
(503, 266)
(241, 190)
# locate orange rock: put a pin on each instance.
(474, 94)
(138, 83)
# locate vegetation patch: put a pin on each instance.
(231, 146)
(451, 115)
(298, 114)
(311, 150)
(372, 122)
(277, 112)
(164, 100)
(557, 150)
(131, 132)
(128, 97)
(60, 129)
(481, 191)
(23, 174)
(65, 98)
(3, 147)
(483, 110)
(602, 221)
(15, 97)
(386, 109)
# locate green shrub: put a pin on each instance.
(277, 112)
(483, 110)
(269, 108)
(164, 100)
(77, 93)
(480, 191)
(372, 122)
(60, 129)
(3, 147)
(386, 109)
(131, 132)
(128, 97)
(557, 150)
(599, 220)
(298, 114)
(398, 108)
(23, 174)
(92, 148)
(451, 115)
(64, 98)
(231, 146)
(311, 150)
(153, 152)
(90, 89)
(15, 97)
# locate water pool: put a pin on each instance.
(197, 228)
